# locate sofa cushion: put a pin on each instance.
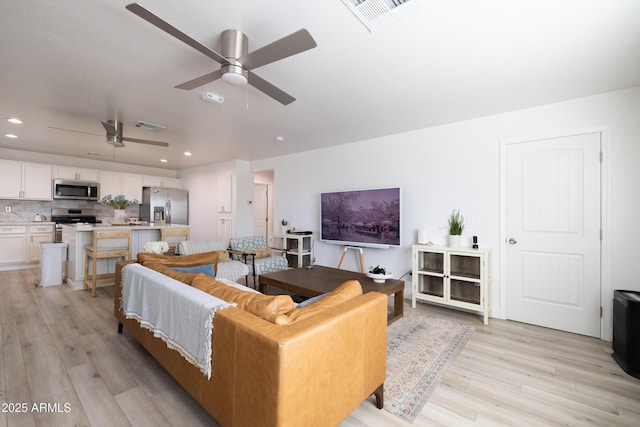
(264, 306)
(180, 261)
(186, 278)
(348, 290)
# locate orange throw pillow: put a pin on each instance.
(264, 306)
(348, 290)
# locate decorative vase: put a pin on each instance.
(454, 240)
(120, 216)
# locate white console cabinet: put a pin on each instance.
(455, 277)
(297, 247)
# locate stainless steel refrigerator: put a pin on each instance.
(170, 205)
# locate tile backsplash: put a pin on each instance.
(24, 210)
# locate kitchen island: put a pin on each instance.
(79, 235)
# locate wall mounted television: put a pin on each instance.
(364, 218)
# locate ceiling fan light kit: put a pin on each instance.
(115, 138)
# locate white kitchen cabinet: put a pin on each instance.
(65, 172)
(20, 243)
(132, 186)
(224, 194)
(160, 181)
(297, 247)
(170, 182)
(10, 179)
(38, 234)
(12, 244)
(115, 183)
(110, 183)
(455, 277)
(31, 181)
(151, 181)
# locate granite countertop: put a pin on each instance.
(25, 222)
(147, 226)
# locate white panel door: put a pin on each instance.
(553, 233)
(260, 206)
(225, 229)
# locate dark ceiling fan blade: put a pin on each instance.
(112, 127)
(269, 89)
(146, 141)
(199, 81)
(287, 46)
(170, 29)
(76, 131)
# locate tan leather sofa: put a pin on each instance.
(314, 372)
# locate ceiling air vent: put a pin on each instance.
(373, 12)
(148, 126)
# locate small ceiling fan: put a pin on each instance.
(114, 135)
(235, 60)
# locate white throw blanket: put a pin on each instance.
(177, 313)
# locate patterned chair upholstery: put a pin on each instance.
(260, 259)
(229, 269)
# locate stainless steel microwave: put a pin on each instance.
(68, 189)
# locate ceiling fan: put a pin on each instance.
(235, 60)
(114, 135)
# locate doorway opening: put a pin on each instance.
(263, 204)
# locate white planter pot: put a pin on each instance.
(120, 216)
(454, 240)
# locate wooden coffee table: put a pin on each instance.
(317, 280)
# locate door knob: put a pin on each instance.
(512, 241)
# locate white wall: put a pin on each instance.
(458, 166)
(201, 182)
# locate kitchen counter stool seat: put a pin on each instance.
(173, 236)
(106, 244)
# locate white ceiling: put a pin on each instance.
(70, 64)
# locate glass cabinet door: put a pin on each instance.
(464, 278)
(431, 273)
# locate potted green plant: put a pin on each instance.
(119, 205)
(456, 227)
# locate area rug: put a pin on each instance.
(420, 348)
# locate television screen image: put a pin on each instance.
(361, 218)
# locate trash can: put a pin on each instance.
(626, 324)
(52, 255)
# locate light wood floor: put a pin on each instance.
(60, 346)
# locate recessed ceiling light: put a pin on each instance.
(10, 135)
(14, 120)
(163, 160)
(279, 138)
(186, 153)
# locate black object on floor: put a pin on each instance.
(626, 331)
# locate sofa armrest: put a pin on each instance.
(117, 293)
(327, 364)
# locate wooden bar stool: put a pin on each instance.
(106, 244)
(173, 236)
